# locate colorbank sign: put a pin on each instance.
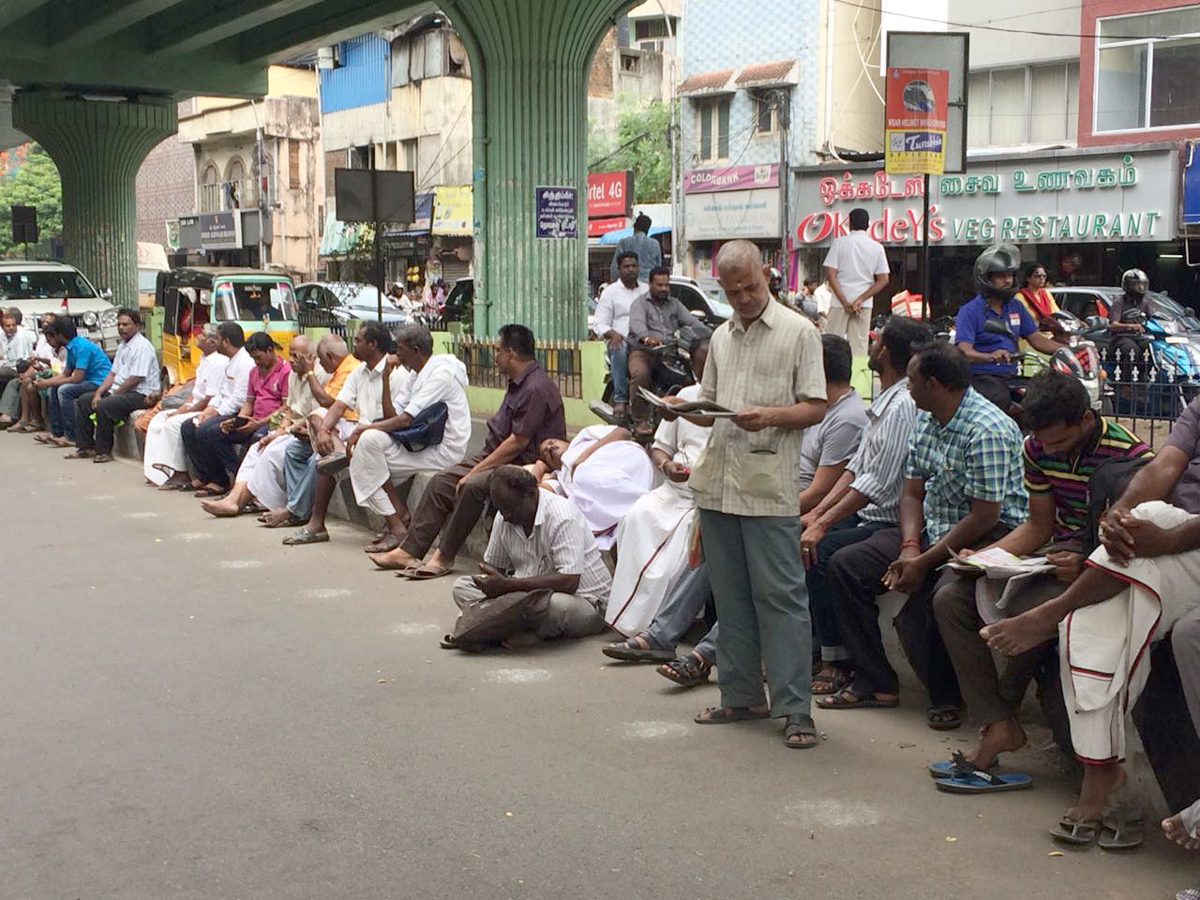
(1082, 198)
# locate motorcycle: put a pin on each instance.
(1079, 360)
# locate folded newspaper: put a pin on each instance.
(688, 407)
(1003, 574)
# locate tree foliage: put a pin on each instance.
(28, 177)
(649, 157)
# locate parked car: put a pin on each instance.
(348, 300)
(37, 287)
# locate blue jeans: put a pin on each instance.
(618, 369)
(300, 475)
(62, 407)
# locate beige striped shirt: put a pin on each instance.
(777, 361)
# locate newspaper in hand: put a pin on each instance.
(997, 563)
(688, 408)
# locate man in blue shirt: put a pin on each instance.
(990, 354)
(85, 370)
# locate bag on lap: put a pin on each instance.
(490, 621)
(426, 429)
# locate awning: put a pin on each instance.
(612, 238)
(699, 84)
(781, 73)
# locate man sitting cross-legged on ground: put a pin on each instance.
(532, 410)
(132, 383)
(866, 498)
(539, 542)
(204, 430)
(1142, 581)
(1068, 443)
(373, 392)
(962, 487)
(85, 368)
(260, 477)
(378, 461)
(164, 460)
(213, 452)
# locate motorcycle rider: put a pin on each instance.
(993, 373)
(653, 318)
(1127, 348)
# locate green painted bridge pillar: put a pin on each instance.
(530, 62)
(98, 147)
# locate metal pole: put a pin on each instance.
(379, 276)
(673, 147)
(783, 119)
(925, 255)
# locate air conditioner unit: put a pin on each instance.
(651, 46)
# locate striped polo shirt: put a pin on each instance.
(1066, 478)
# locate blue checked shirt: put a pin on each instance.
(878, 465)
(974, 456)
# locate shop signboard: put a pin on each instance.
(725, 215)
(556, 211)
(601, 227)
(610, 194)
(1081, 198)
(1191, 184)
(915, 121)
(221, 230)
(730, 178)
(453, 211)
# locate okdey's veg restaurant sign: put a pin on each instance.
(733, 202)
(1078, 198)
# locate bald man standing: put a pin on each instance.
(766, 365)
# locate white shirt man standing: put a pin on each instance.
(857, 269)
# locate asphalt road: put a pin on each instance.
(193, 711)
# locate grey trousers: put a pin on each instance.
(10, 398)
(683, 606)
(989, 697)
(762, 605)
(569, 616)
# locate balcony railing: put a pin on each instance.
(225, 195)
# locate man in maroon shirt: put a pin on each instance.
(531, 412)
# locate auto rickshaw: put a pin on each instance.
(192, 297)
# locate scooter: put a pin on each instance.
(1065, 359)
(673, 372)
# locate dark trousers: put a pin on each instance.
(641, 365)
(110, 411)
(826, 630)
(442, 505)
(997, 388)
(212, 451)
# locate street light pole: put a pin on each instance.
(783, 115)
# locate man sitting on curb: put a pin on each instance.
(205, 429)
(372, 392)
(132, 383)
(16, 349)
(378, 461)
(532, 411)
(263, 462)
(1133, 589)
(1068, 443)
(29, 400)
(86, 367)
(540, 543)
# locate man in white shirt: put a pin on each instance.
(540, 542)
(133, 383)
(373, 391)
(201, 432)
(164, 460)
(378, 461)
(16, 347)
(857, 269)
(612, 324)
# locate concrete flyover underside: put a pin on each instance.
(95, 80)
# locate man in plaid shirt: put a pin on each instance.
(962, 488)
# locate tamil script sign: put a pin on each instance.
(725, 216)
(1081, 198)
(730, 178)
(221, 230)
(915, 121)
(557, 212)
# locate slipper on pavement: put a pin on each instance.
(716, 715)
(1118, 833)
(630, 650)
(965, 778)
(944, 768)
(304, 536)
(839, 701)
(1076, 831)
(423, 573)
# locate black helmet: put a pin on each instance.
(1135, 282)
(996, 260)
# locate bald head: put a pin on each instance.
(743, 277)
(331, 350)
(301, 345)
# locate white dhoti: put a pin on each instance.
(164, 446)
(262, 470)
(607, 484)
(378, 459)
(1105, 649)
(652, 551)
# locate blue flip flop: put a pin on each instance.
(967, 779)
(944, 768)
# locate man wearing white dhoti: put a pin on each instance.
(652, 538)
(1142, 580)
(601, 471)
(378, 461)
(164, 461)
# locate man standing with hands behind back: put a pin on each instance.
(766, 364)
(857, 269)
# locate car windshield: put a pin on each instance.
(43, 285)
(254, 300)
(716, 299)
